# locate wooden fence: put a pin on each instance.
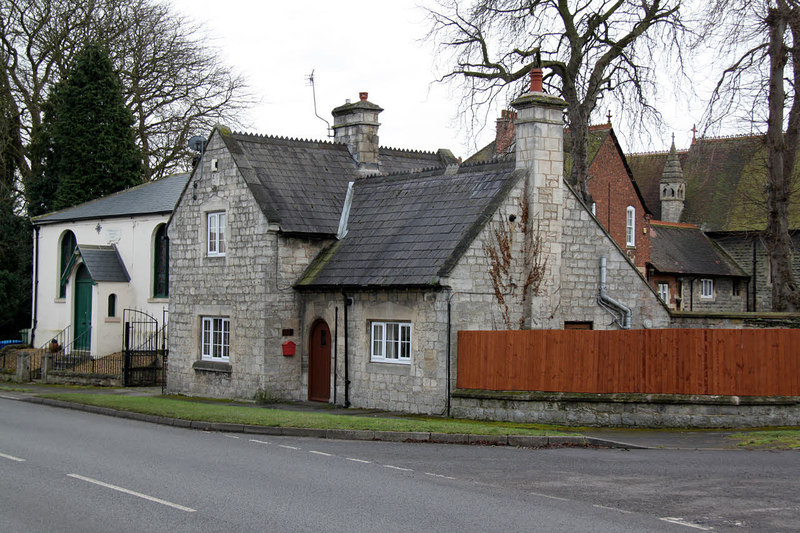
(740, 362)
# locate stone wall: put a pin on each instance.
(724, 299)
(741, 248)
(250, 285)
(628, 410)
(418, 387)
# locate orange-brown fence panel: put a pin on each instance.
(741, 362)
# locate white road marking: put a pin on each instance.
(9, 397)
(682, 522)
(12, 458)
(550, 497)
(260, 441)
(772, 509)
(231, 436)
(288, 447)
(612, 509)
(358, 460)
(133, 493)
(320, 453)
(438, 475)
(398, 468)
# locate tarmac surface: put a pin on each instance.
(674, 439)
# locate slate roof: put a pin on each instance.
(103, 263)
(724, 183)
(685, 249)
(598, 133)
(301, 184)
(150, 198)
(408, 230)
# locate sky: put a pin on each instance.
(373, 46)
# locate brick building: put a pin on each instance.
(725, 197)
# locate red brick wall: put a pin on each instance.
(612, 190)
(657, 278)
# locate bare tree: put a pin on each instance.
(766, 34)
(592, 49)
(174, 83)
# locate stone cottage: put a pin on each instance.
(341, 271)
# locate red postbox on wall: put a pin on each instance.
(289, 348)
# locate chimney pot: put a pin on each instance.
(363, 96)
(536, 80)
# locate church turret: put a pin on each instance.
(672, 187)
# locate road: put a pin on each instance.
(63, 470)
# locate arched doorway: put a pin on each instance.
(83, 310)
(319, 362)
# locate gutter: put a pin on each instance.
(620, 312)
(347, 302)
(35, 286)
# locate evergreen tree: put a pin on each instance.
(15, 238)
(86, 139)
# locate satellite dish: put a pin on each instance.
(197, 143)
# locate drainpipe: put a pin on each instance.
(335, 349)
(621, 313)
(449, 343)
(347, 302)
(755, 274)
(35, 286)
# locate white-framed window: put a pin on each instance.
(630, 226)
(594, 208)
(216, 338)
(663, 291)
(390, 342)
(216, 234)
(706, 288)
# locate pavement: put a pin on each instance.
(627, 438)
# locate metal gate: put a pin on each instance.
(144, 351)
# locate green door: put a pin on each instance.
(83, 310)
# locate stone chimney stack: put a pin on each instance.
(356, 125)
(505, 131)
(540, 153)
(672, 187)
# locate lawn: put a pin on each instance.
(188, 409)
(780, 439)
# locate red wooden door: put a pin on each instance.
(319, 363)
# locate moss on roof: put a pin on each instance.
(725, 183)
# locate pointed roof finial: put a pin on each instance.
(609, 116)
(672, 168)
(694, 133)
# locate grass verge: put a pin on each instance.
(781, 439)
(13, 388)
(257, 416)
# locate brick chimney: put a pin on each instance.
(356, 125)
(504, 136)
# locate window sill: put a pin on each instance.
(113, 319)
(158, 300)
(380, 367)
(205, 365)
(60, 301)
